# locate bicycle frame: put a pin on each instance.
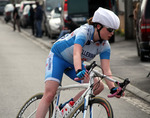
(85, 96)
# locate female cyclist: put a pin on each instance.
(83, 44)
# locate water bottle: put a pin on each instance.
(67, 107)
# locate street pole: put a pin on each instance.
(129, 29)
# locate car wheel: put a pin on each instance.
(6, 20)
(138, 50)
(22, 24)
(51, 35)
(46, 32)
(48, 35)
(142, 56)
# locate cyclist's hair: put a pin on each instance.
(89, 21)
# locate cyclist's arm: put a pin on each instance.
(105, 64)
(79, 42)
(77, 56)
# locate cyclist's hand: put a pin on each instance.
(81, 74)
(114, 90)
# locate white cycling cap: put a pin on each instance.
(106, 18)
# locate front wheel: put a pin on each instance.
(28, 110)
(101, 108)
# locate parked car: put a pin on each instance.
(24, 19)
(21, 11)
(143, 31)
(8, 12)
(53, 23)
(46, 11)
(3, 3)
(23, 4)
(48, 6)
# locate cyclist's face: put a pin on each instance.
(105, 33)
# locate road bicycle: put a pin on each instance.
(87, 106)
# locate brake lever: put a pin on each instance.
(122, 87)
(125, 83)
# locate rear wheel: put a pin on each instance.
(101, 109)
(51, 34)
(28, 110)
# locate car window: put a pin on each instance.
(147, 11)
(54, 14)
(48, 5)
(52, 4)
(24, 3)
(26, 9)
(3, 3)
(76, 6)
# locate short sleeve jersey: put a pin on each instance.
(84, 37)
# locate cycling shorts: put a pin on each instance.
(56, 66)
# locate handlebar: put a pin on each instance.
(121, 86)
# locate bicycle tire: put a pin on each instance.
(27, 110)
(103, 105)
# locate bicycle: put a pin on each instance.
(87, 101)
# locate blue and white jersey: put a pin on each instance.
(83, 36)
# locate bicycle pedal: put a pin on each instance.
(60, 107)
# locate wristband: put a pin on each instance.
(115, 89)
(78, 71)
